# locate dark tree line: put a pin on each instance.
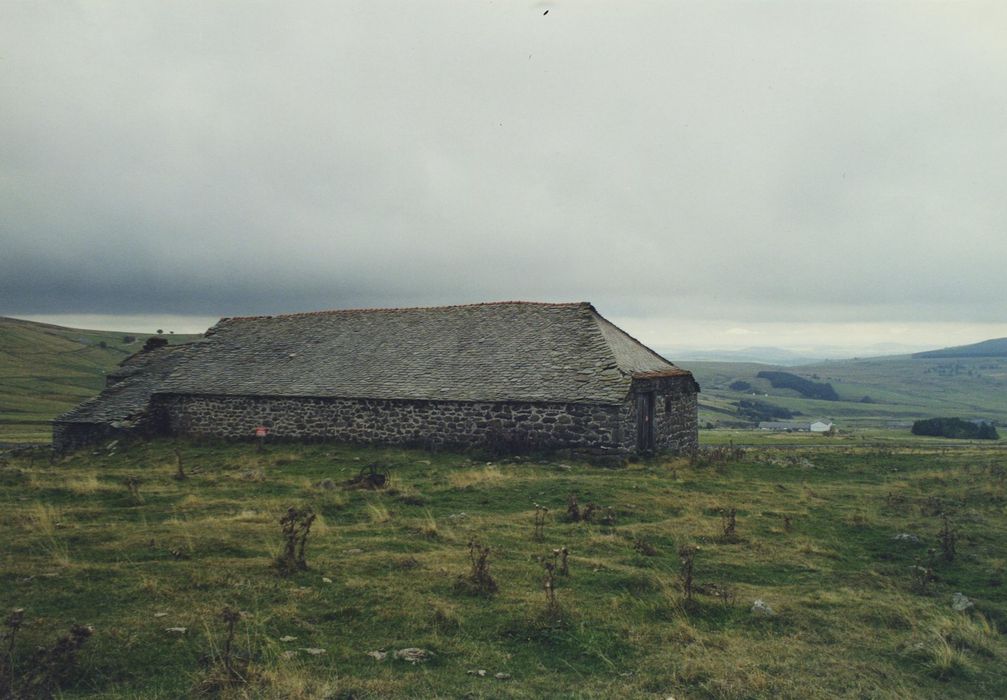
(955, 428)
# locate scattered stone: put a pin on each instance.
(354, 551)
(161, 614)
(326, 484)
(288, 654)
(502, 676)
(961, 603)
(377, 655)
(326, 579)
(287, 638)
(313, 651)
(175, 630)
(413, 655)
(481, 672)
(759, 607)
(907, 537)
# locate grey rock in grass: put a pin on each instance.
(313, 651)
(961, 602)
(326, 484)
(414, 655)
(377, 655)
(175, 630)
(759, 607)
(907, 537)
(502, 676)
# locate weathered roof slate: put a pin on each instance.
(139, 375)
(505, 351)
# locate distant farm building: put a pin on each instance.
(796, 426)
(509, 375)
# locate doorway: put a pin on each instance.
(645, 422)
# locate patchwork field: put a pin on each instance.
(842, 546)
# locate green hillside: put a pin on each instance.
(987, 348)
(47, 369)
(874, 392)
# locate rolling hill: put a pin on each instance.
(987, 348)
(872, 392)
(47, 369)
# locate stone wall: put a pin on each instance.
(506, 426)
(67, 437)
(676, 419)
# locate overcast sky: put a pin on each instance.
(707, 173)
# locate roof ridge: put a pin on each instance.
(654, 353)
(389, 309)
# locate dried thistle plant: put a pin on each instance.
(132, 484)
(296, 525)
(948, 539)
(687, 557)
(552, 606)
(729, 524)
(540, 515)
(480, 573)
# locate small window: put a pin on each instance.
(667, 404)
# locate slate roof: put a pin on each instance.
(134, 382)
(505, 351)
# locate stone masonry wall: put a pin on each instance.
(676, 418)
(67, 437)
(508, 426)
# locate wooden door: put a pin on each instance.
(645, 422)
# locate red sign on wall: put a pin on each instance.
(261, 431)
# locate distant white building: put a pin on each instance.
(795, 426)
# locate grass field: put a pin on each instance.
(815, 540)
(46, 370)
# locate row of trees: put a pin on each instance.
(955, 428)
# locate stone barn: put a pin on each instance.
(508, 375)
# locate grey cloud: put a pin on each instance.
(771, 161)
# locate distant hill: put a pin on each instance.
(765, 355)
(872, 392)
(47, 369)
(987, 348)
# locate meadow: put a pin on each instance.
(856, 553)
(46, 370)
